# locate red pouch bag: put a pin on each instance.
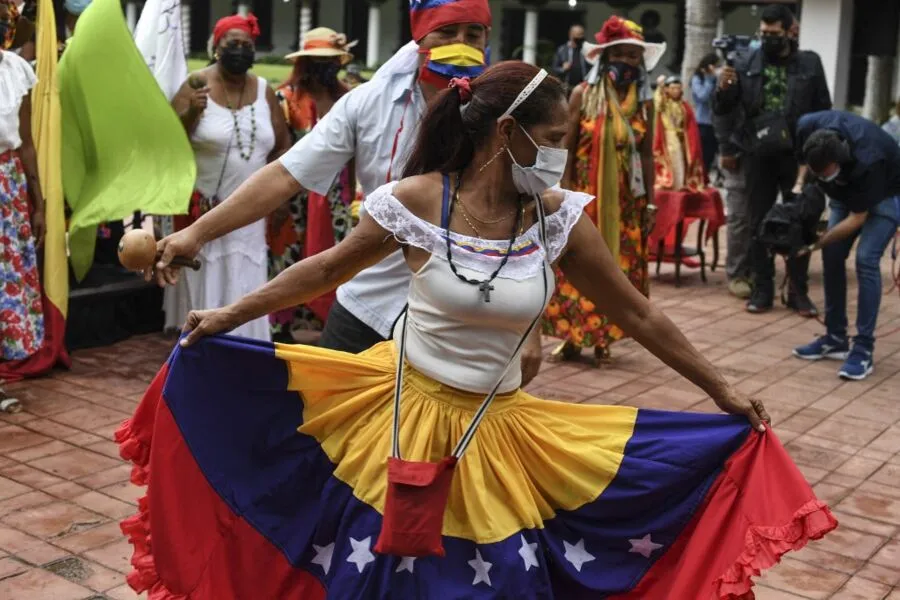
(414, 507)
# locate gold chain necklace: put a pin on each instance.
(466, 217)
(482, 221)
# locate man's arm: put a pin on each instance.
(868, 194)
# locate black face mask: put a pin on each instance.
(579, 42)
(237, 60)
(623, 74)
(324, 73)
(773, 46)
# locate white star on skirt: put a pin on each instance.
(644, 546)
(361, 556)
(528, 554)
(323, 556)
(407, 563)
(577, 555)
(481, 569)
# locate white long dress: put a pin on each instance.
(234, 264)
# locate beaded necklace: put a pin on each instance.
(484, 286)
(237, 129)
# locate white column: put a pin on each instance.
(305, 19)
(131, 15)
(826, 27)
(895, 93)
(879, 81)
(373, 39)
(243, 9)
(529, 46)
(186, 26)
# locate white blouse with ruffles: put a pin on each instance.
(454, 336)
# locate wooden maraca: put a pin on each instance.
(197, 81)
(137, 252)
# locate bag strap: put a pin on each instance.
(445, 204)
(469, 434)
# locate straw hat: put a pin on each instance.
(324, 42)
(617, 31)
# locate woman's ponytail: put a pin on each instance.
(443, 143)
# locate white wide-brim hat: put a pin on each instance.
(617, 31)
(652, 52)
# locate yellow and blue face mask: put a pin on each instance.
(454, 60)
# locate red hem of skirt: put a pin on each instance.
(136, 528)
(765, 545)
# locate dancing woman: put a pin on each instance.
(543, 499)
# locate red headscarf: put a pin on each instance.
(226, 24)
(426, 16)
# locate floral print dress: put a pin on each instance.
(315, 223)
(570, 316)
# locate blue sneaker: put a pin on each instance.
(826, 346)
(858, 365)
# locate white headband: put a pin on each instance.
(523, 95)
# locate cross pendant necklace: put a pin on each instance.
(486, 288)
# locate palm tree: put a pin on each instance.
(701, 20)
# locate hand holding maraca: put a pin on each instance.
(199, 95)
(139, 251)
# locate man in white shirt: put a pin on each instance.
(376, 124)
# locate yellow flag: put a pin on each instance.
(46, 128)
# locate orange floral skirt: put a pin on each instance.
(572, 317)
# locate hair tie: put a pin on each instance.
(464, 87)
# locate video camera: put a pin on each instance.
(791, 224)
(731, 46)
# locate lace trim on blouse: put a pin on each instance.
(526, 259)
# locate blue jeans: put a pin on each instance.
(874, 237)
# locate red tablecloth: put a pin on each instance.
(673, 207)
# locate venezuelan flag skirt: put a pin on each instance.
(266, 474)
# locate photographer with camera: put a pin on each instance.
(758, 101)
(857, 165)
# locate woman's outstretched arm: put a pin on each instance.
(590, 267)
(367, 244)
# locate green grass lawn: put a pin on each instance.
(274, 74)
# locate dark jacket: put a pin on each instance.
(734, 108)
(873, 173)
(567, 53)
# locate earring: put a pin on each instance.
(493, 158)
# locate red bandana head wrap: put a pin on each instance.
(226, 24)
(426, 16)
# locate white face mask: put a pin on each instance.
(547, 171)
(831, 177)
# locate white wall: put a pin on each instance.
(826, 27)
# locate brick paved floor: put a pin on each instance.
(63, 487)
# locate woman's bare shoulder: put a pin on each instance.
(421, 195)
(553, 199)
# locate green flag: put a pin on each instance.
(123, 147)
